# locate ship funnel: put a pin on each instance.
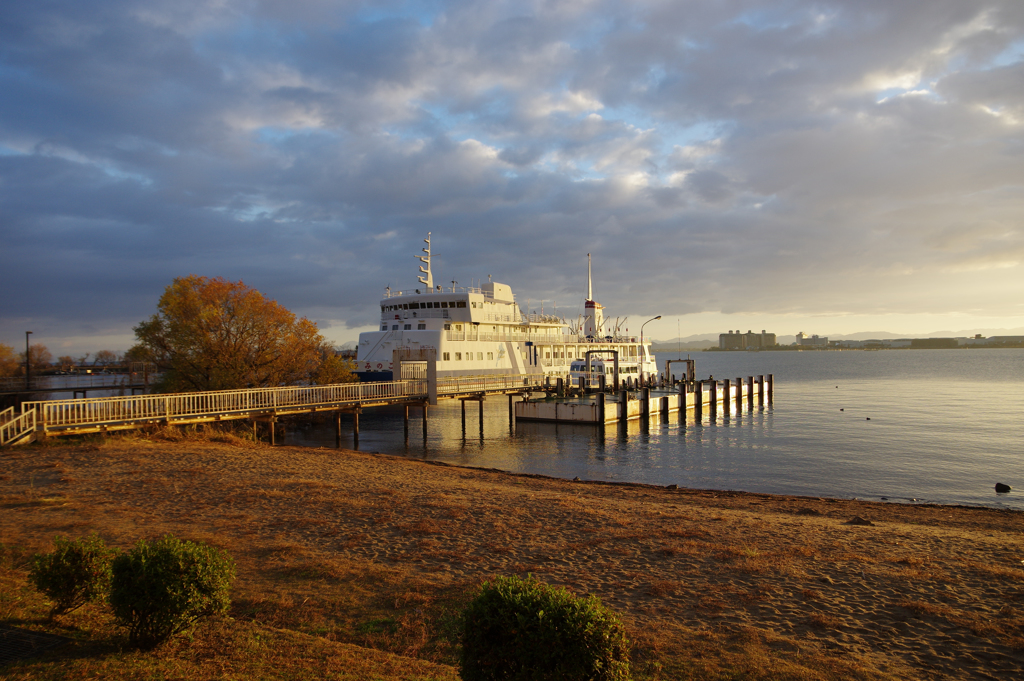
(595, 311)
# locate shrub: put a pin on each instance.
(73, 574)
(523, 629)
(164, 588)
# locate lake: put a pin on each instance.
(931, 426)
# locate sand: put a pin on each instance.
(906, 591)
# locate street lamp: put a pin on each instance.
(642, 346)
(28, 365)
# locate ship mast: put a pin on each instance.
(427, 281)
(590, 282)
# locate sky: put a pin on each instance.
(831, 167)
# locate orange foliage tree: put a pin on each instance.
(212, 334)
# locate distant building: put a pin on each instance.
(814, 341)
(734, 340)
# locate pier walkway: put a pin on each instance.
(39, 419)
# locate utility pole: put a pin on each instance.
(28, 364)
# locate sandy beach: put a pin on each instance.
(846, 588)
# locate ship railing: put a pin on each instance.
(56, 414)
(424, 292)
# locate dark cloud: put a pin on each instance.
(307, 147)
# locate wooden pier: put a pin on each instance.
(43, 418)
(696, 396)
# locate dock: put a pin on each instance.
(600, 408)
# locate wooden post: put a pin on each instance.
(425, 405)
(682, 401)
(273, 424)
(713, 413)
(481, 403)
(463, 402)
(255, 433)
(645, 404)
(406, 423)
(355, 428)
(760, 390)
(727, 385)
(750, 393)
(698, 401)
(600, 406)
(664, 407)
(624, 406)
(511, 412)
(739, 395)
(337, 429)
(771, 388)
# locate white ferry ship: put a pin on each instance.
(482, 330)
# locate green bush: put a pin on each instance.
(163, 588)
(73, 574)
(518, 629)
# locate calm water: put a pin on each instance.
(945, 426)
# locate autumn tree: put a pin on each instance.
(10, 364)
(39, 357)
(212, 334)
(105, 358)
(66, 362)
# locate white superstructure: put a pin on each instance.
(481, 330)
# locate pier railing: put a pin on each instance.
(101, 413)
(58, 414)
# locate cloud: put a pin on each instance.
(845, 157)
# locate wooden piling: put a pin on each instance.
(760, 390)
(406, 423)
(355, 428)
(726, 401)
(601, 406)
(750, 393)
(623, 406)
(714, 400)
(463, 403)
(771, 388)
(682, 401)
(337, 429)
(739, 395)
(698, 401)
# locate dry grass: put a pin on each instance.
(337, 579)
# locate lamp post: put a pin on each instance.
(28, 364)
(642, 345)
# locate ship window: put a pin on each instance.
(421, 327)
(414, 306)
(458, 356)
(458, 327)
(408, 327)
(405, 306)
(384, 327)
(444, 304)
(490, 355)
(394, 327)
(461, 303)
(446, 356)
(479, 355)
(381, 308)
(447, 327)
